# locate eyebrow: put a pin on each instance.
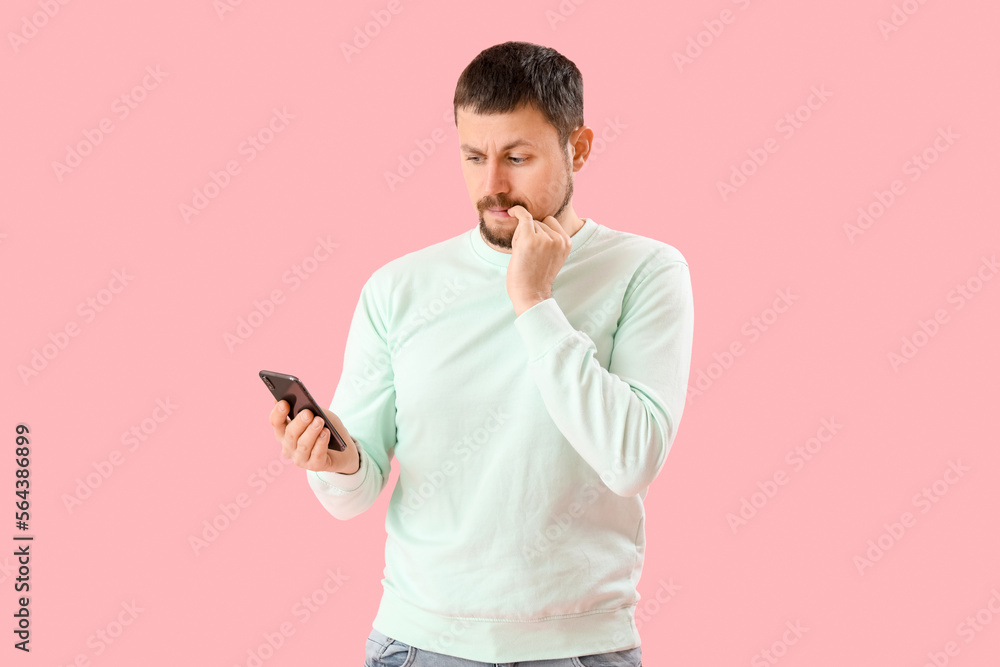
(520, 142)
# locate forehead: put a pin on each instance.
(482, 131)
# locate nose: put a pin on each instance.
(496, 178)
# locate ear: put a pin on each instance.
(581, 140)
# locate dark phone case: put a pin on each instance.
(289, 388)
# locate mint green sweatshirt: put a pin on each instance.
(525, 444)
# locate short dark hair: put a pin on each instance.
(505, 77)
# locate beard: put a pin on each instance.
(503, 239)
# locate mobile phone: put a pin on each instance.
(289, 388)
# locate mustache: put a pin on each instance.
(500, 203)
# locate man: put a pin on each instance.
(529, 375)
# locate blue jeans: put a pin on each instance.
(382, 651)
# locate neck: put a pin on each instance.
(572, 227)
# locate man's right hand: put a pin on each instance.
(304, 440)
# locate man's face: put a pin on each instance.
(535, 173)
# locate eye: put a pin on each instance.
(522, 159)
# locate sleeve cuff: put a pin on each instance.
(335, 482)
(542, 326)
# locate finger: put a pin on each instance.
(523, 217)
(307, 441)
(293, 431)
(274, 417)
(546, 229)
(289, 442)
(278, 414)
(553, 223)
(277, 419)
(319, 452)
(309, 434)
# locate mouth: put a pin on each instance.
(500, 212)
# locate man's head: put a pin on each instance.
(520, 92)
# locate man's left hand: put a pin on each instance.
(538, 251)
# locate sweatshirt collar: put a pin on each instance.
(494, 256)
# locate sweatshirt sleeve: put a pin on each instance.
(365, 400)
(623, 419)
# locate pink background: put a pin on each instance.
(672, 133)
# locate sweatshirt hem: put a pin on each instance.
(502, 640)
